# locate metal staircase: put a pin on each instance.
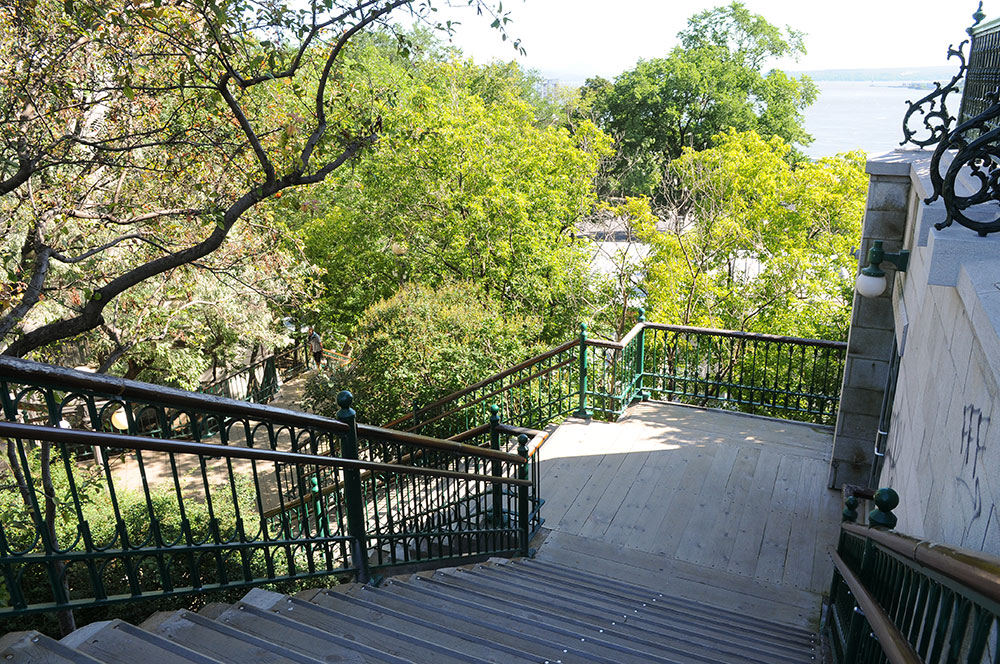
(500, 611)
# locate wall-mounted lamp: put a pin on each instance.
(871, 282)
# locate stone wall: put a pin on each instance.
(869, 343)
(943, 448)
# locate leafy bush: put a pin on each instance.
(420, 345)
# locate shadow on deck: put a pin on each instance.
(714, 506)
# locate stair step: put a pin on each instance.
(213, 610)
(606, 641)
(117, 642)
(359, 605)
(307, 639)
(36, 648)
(636, 626)
(701, 622)
(688, 607)
(499, 630)
(677, 578)
(375, 631)
(378, 631)
(226, 643)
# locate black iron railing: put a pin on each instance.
(196, 492)
(903, 600)
(982, 77)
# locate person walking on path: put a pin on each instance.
(316, 346)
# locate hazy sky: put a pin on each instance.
(571, 40)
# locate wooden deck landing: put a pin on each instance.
(722, 507)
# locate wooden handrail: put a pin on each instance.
(975, 570)
(63, 379)
(895, 646)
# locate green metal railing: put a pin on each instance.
(531, 394)
(200, 492)
(762, 374)
(903, 600)
(260, 380)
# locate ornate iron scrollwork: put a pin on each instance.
(936, 119)
(976, 143)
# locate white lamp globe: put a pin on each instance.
(119, 420)
(870, 286)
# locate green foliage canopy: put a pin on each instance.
(756, 243)
(713, 81)
(464, 185)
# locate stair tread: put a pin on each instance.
(36, 648)
(634, 623)
(306, 639)
(225, 643)
(789, 606)
(606, 645)
(700, 618)
(500, 631)
(613, 632)
(358, 603)
(312, 618)
(116, 641)
(623, 589)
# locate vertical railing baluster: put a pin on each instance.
(582, 349)
(497, 489)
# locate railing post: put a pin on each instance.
(523, 506)
(640, 357)
(582, 410)
(352, 486)
(496, 490)
(886, 500)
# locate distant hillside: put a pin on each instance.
(942, 74)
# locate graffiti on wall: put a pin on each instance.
(972, 450)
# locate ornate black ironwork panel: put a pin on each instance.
(975, 145)
(932, 109)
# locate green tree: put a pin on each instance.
(715, 80)
(463, 185)
(756, 243)
(147, 132)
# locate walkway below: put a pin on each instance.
(718, 507)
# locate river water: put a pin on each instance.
(858, 114)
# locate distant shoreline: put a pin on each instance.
(898, 74)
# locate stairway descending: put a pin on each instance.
(501, 611)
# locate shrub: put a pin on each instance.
(420, 345)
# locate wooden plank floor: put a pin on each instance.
(732, 503)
